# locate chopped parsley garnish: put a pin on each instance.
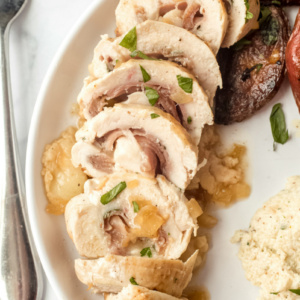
(146, 252)
(258, 67)
(270, 31)
(274, 293)
(130, 40)
(264, 13)
(154, 116)
(136, 207)
(140, 54)
(113, 193)
(276, 2)
(185, 83)
(132, 281)
(146, 76)
(278, 126)
(152, 95)
(189, 120)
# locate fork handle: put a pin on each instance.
(20, 271)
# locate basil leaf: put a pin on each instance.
(132, 281)
(249, 15)
(146, 251)
(152, 95)
(185, 83)
(154, 116)
(113, 193)
(130, 40)
(277, 120)
(136, 207)
(146, 76)
(240, 44)
(295, 291)
(189, 120)
(140, 54)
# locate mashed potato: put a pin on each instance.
(270, 250)
(61, 180)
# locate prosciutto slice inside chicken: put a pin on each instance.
(136, 138)
(172, 43)
(112, 273)
(205, 18)
(149, 214)
(126, 83)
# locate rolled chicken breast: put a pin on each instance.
(159, 40)
(112, 273)
(205, 18)
(243, 15)
(134, 292)
(149, 217)
(136, 138)
(129, 83)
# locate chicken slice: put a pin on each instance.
(205, 18)
(126, 83)
(111, 273)
(139, 139)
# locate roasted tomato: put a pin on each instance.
(293, 60)
(253, 69)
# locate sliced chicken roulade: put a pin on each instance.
(134, 292)
(149, 217)
(179, 93)
(205, 18)
(111, 273)
(243, 15)
(153, 39)
(136, 138)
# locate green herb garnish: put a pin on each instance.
(249, 15)
(132, 281)
(276, 2)
(146, 76)
(240, 44)
(152, 95)
(189, 120)
(295, 291)
(136, 207)
(113, 193)
(140, 54)
(258, 67)
(146, 252)
(274, 293)
(264, 13)
(270, 31)
(154, 116)
(278, 126)
(130, 40)
(185, 83)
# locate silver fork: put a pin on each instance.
(20, 270)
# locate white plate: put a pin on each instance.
(222, 274)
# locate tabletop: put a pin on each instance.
(34, 39)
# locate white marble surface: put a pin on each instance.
(34, 39)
